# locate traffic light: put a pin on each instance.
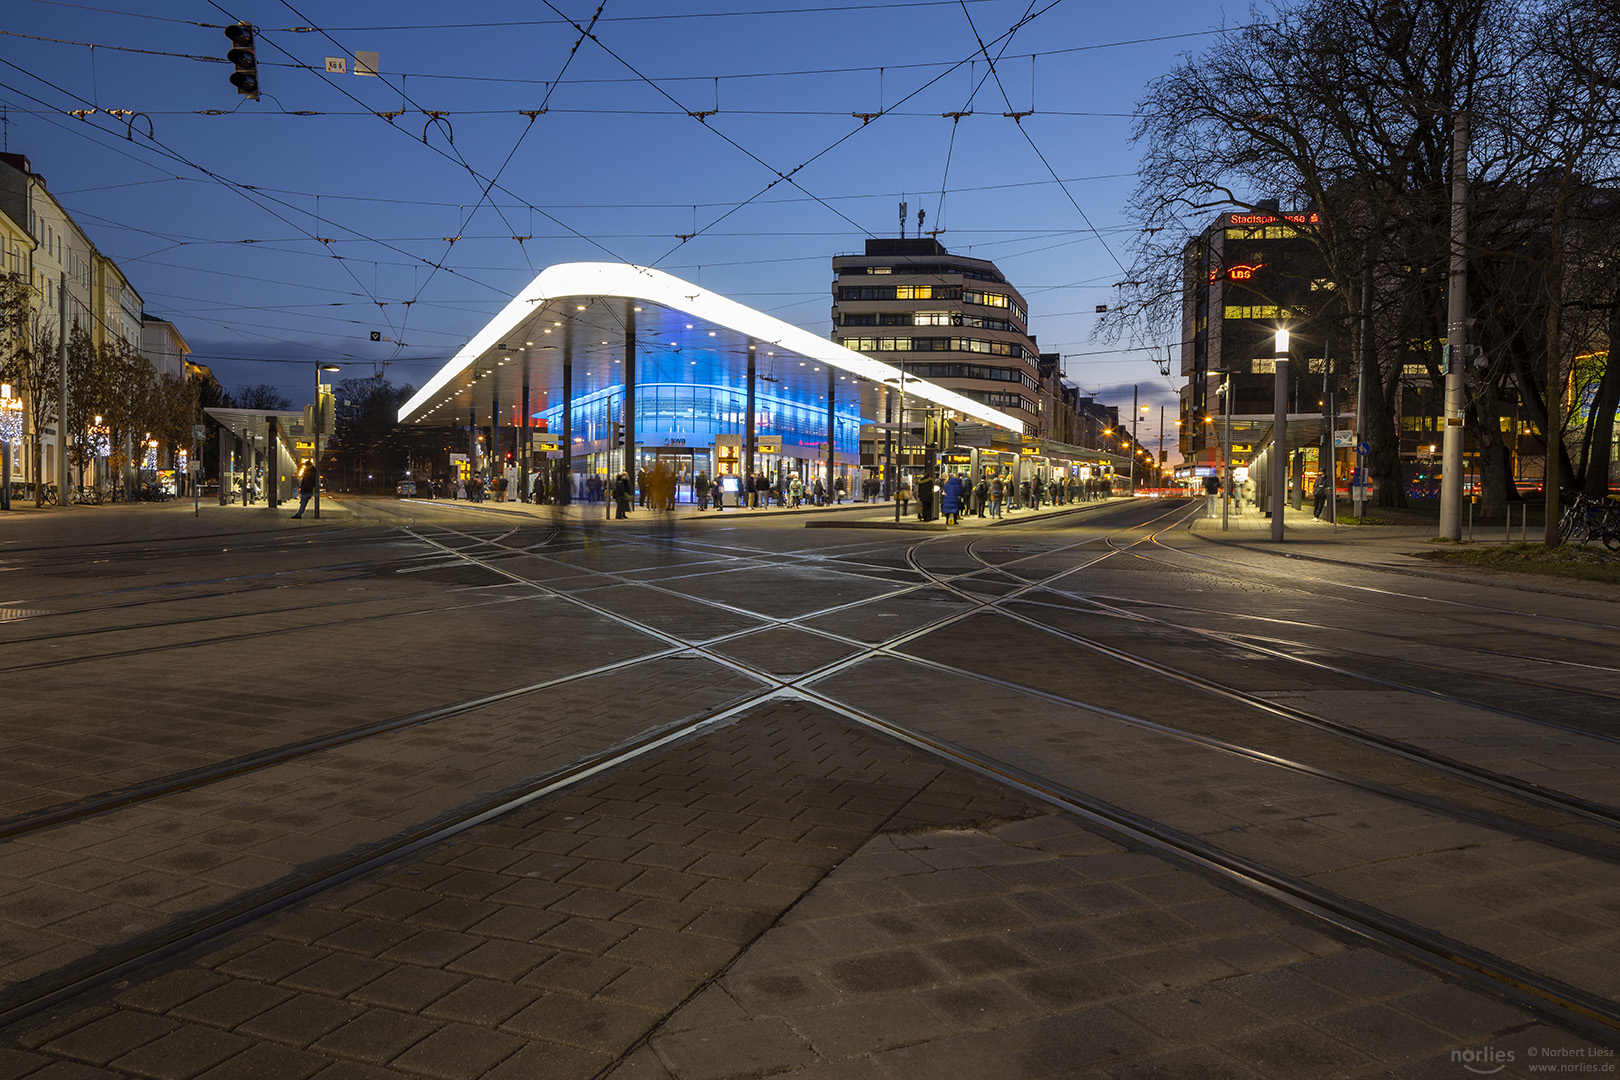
(618, 434)
(246, 76)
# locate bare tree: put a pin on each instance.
(28, 357)
(261, 396)
(1344, 106)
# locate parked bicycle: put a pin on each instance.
(1586, 519)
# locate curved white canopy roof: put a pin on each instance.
(593, 302)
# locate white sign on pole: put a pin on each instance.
(337, 65)
(1344, 438)
(365, 63)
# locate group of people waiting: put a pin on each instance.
(761, 490)
(993, 494)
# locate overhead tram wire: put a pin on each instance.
(841, 140)
(483, 196)
(533, 22)
(160, 148)
(700, 119)
(619, 206)
(245, 191)
(457, 157)
(710, 78)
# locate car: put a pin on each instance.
(407, 489)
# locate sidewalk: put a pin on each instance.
(1305, 535)
(855, 514)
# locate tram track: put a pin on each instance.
(108, 964)
(1601, 814)
(1568, 1004)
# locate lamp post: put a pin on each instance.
(319, 414)
(1279, 438)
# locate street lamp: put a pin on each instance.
(319, 414)
(1279, 438)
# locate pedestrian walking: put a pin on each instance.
(839, 490)
(700, 488)
(306, 487)
(1319, 496)
(796, 490)
(981, 496)
(998, 492)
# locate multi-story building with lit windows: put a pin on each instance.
(952, 320)
(1247, 276)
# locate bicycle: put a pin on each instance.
(1586, 519)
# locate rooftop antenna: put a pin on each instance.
(902, 221)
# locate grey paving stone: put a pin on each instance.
(866, 1027)
(1182, 1065)
(985, 1056)
(481, 1001)
(301, 1020)
(1071, 987)
(110, 1037)
(231, 1003)
(598, 1025)
(574, 973)
(1292, 1052)
(1194, 1015)
(884, 972)
(539, 1060)
(1364, 972)
(267, 1061)
(459, 1052)
(376, 1036)
(753, 1047)
(171, 989)
(183, 1053)
(408, 988)
(1379, 1031)
(336, 975)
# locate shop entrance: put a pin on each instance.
(684, 463)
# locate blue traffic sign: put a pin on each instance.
(1363, 449)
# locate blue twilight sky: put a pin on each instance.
(360, 222)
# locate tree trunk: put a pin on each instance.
(1384, 463)
(1600, 423)
(1495, 483)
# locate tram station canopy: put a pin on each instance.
(586, 313)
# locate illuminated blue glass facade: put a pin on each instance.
(692, 414)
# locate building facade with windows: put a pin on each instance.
(952, 320)
(70, 283)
